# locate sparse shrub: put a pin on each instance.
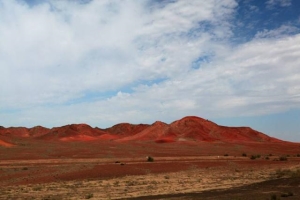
(253, 157)
(37, 188)
(267, 158)
(131, 183)
(298, 155)
(283, 158)
(244, 155)
(296, 173)
(25, 168)
(287, 173)
(116, 183)
(280, 173)
(289, 194)
(226, 154)
(88, 196)
(150, 159)
(274, 197)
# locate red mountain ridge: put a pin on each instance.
(188, 129)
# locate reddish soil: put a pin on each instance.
(5, 144)
(78, 152)
(49, 161)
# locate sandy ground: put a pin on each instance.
(36, 169)
(128, 178)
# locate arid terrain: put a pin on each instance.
(193, 158)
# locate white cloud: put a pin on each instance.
(282, 31)
(283, 3)
(51, 55)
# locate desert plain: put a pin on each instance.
(191, 158)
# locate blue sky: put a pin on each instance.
(104, 62)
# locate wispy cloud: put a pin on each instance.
(282, 31)
(283, 3)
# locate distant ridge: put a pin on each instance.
(190, 128)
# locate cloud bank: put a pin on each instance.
(105, 62)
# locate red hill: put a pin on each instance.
(126, 129)
(38, 131)
(200, 129)
(15, 131)
(186, 129)
(156, 131)
(73, 132)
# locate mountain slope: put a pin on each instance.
(189, 128)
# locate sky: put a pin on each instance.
(234, 62)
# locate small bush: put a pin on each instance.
(289, 194)
(25, 168)
(267, 158)
(150, 159)
(253, 157)
(283, 158)
(287, 173)
(116, 183)
(37, 188)
(274, 197)
(88, 196)
(226, 154)
(244, 155)
(298, 155)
